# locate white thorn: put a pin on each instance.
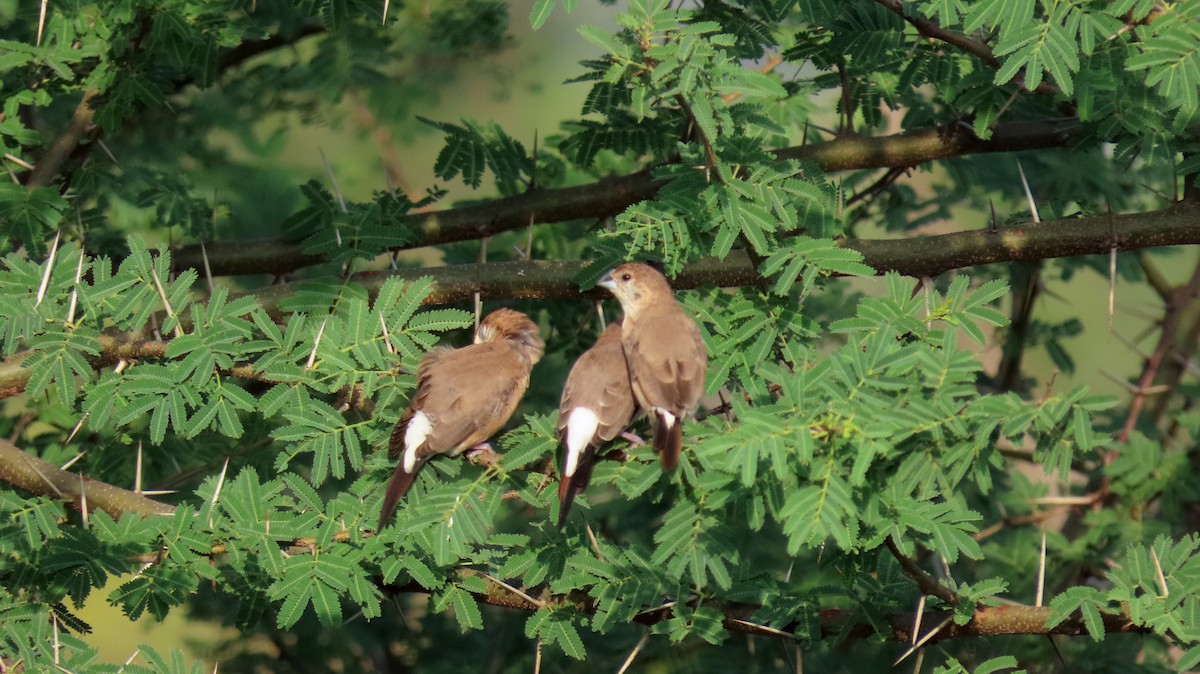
(162, 293)
(83, 503)
(1033, 210)
(312, 357)
(54, 624)
(70, 463)
(137, 478)
(113, 157)
(75, 290)
(76, 430)
(217, 492)
(336, 190)
(1041, 576)
(633, 654)
(41, 29)
(18, 161)
(923, 641)
(41, 293)
(204, 257)
(917, 619)
(387, 338)
(1162, 580)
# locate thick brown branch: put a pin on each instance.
(988, 621)
(612, 195)
(918, 257)
(35, 476)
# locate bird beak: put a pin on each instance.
(606, 281)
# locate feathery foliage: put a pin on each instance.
(864, 447)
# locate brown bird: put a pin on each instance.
(666, 356)
(463, 396)
(597, 404)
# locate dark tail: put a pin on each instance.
(668, 442)
(569, 488)
(397, 488)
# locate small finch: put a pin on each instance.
(597, 404)
(463, 397)
(666, 356)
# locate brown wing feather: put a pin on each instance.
(428, 364)
(468, 394)
(667, 360)
(598, 381)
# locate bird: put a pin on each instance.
(597, 405)
(664, 351)
(463, 397)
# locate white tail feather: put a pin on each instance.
(581, 428)
(418, 430)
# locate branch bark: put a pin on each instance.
(35, 476)
(555, 279)
(930, 29)
(925, 582)
(987, 621)
(924, 256)
(612, 195)
(79, 129)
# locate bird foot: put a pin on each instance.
(483, 455)
(633, 439)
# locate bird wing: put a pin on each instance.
(427, 365)
(667, 361)
(468, 394)
(599, 381)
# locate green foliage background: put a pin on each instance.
(856, 458)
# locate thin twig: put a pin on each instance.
(926, 583)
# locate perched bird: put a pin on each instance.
(665, 354)
(597, 404)
(463, 396)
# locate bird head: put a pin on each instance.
(506, 324)
(635, 285)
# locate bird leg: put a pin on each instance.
(483, 455)
(635, 440)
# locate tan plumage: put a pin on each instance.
(463, 396)
(597, 404)
(666, 356)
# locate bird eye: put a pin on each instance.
(626, 276)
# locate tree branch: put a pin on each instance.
(987, 621)
(612, 195)
(933, 31)
(926, 583)
(923, 256)
(35, 476)
(555, 279)
(65, 145)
